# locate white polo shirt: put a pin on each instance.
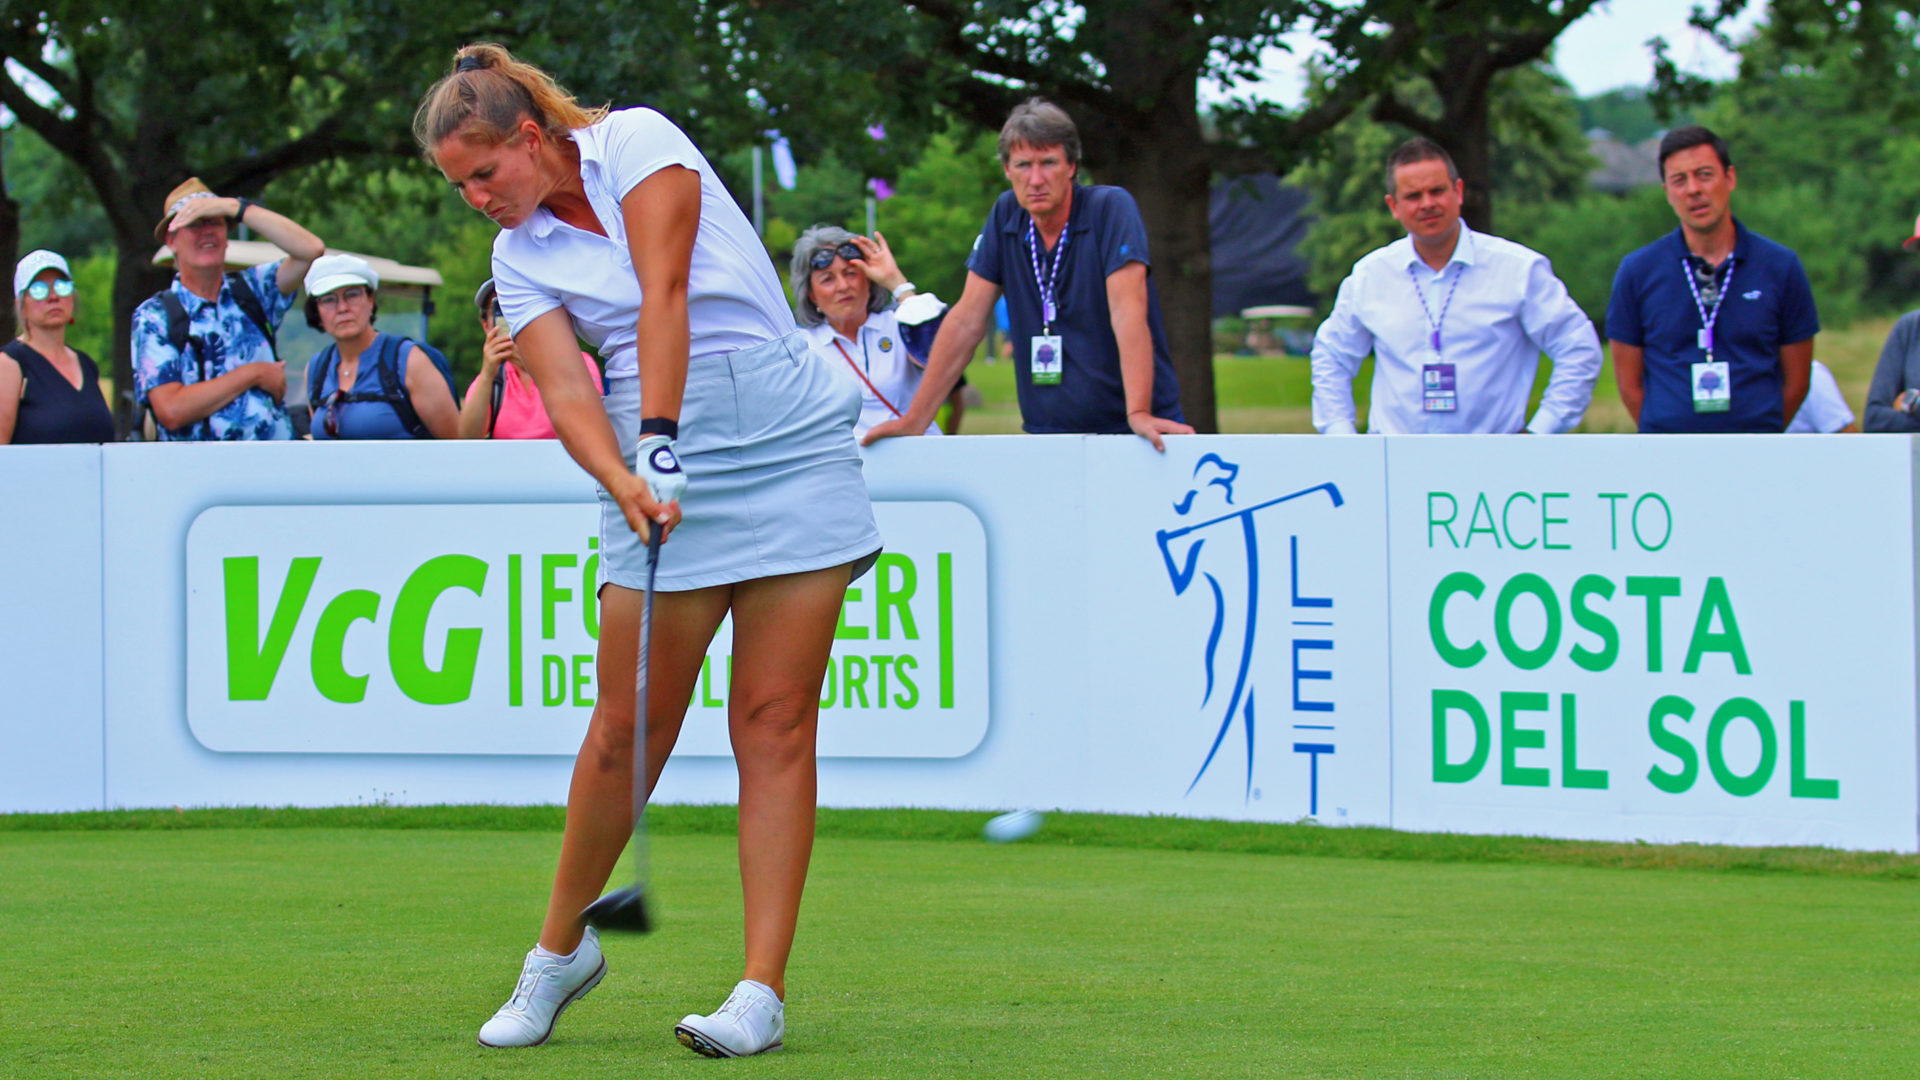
(876, 359)
(1826, 410)
(1506, 308)
(734, 298)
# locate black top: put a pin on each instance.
(53, 410)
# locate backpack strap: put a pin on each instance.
(392, 351)
(250, 305)
(317, 369)
(177, 319)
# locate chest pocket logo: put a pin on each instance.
(886, 344)
(1753, 295)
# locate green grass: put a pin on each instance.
(371, 941)
(1261, 394)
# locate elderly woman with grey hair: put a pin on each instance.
(863, 314)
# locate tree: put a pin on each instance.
(1462, 53)
(144, 95)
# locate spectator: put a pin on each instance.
(203, 348)
(400, 393)
(882, 339)
(1826, 411)
(1895, 389)
(1456, 321)
(1713, 324)
(502, 402)
(1090, 350)
(49, 391)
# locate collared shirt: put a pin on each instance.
(1507, 308)
(734, 298)
(1767, 304)
(889, 353)
(220, 338)
(1104, 233)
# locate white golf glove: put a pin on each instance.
(659, 466)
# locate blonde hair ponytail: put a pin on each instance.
(487, 94)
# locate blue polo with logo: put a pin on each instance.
(1104, 233)
(1765, 303)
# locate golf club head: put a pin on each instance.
(622, 911)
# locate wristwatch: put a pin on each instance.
(240, 215)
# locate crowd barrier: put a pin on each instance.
(1663, 639)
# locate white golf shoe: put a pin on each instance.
(752, 1021)
(545, 989)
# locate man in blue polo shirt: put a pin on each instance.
(1089, 347)
(1712, 326)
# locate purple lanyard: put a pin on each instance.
(1434, 324)
(1707, 318)
(1047, 281)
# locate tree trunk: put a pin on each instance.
(1157, 151)
(134, 279)
(9, 256)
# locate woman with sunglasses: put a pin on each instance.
(49, 391)
(868, 320)
(369, 384)
(615, 229)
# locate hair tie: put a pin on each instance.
(469, 63)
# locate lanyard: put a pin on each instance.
(1047, 281)
(1707, 318)
(863, 375)
(1434, 324)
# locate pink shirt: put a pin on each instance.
(521, 414)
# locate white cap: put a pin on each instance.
(36, 263)
(330, 272)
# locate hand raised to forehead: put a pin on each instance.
(878, 263)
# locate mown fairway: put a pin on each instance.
(372, 944)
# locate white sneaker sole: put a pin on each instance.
(698, 1041)
(585, 989)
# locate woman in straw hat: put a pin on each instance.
(615, 229)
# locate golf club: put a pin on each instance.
(625, 910)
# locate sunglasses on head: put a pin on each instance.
(40, 290)
(823, 257)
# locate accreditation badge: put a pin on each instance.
(1712, 387)
(1046, 357)
(1438, 391)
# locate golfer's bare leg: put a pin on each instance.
(599, 814)
(782, 637)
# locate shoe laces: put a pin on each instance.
(737, 1005)
(530, 974)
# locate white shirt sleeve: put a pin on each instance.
(521, 301)
(1826, 410)
(1339, 346)
(641, 142)
(1554, 323)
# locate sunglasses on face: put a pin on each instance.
(347, 295)
(40, 290)
(823, 257)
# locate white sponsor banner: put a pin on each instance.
(1238, 626)
(473, 629)
(1663, 639)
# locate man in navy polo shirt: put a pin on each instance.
(1712, 326)
(1089, 348)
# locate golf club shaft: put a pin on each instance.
(640, 791)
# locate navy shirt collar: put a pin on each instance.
(1742, 247)
(1018, 221)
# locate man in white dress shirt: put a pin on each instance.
(1456, 321)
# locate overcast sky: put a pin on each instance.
(1603, 50)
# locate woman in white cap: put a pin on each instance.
(615, 228)
(369, 384)
(49, 390)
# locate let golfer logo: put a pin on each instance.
(473, 629)
(1214, 555)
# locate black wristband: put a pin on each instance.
(660, 425)
(240, 215)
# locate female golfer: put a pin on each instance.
(615, 228)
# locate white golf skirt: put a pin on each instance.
(773, 474)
